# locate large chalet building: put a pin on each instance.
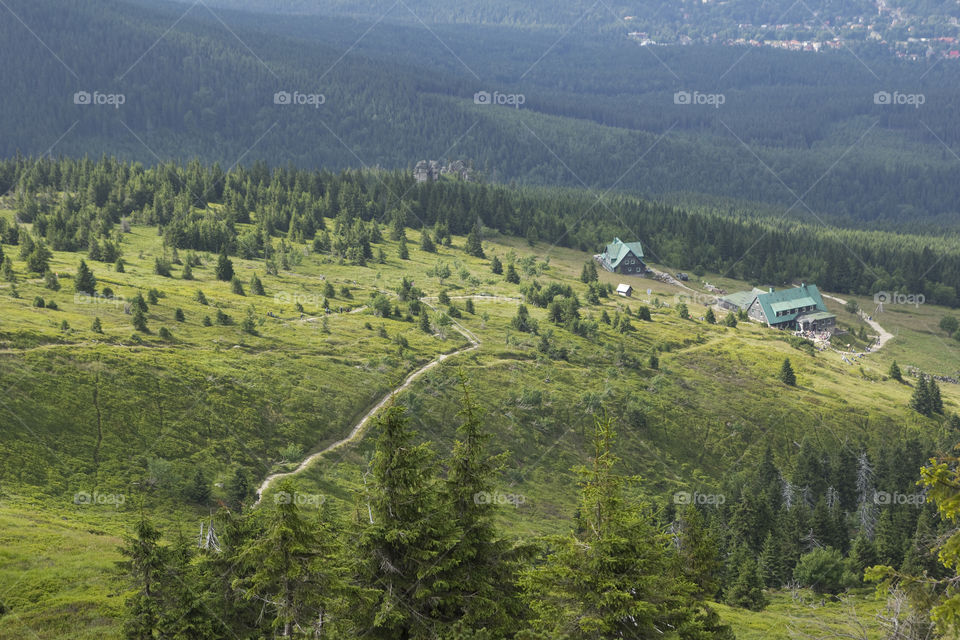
(799, 308)
(623, 257)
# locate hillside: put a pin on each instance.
(244, 385)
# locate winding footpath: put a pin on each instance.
(883, 335)
(360, 428)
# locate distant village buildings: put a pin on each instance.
(431, 170)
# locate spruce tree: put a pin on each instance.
(402, 533)
(236, 286)
(239, 488)
(512, 276)
(145, 564)
(936, 402)
(953, 423)
(224, 269)
(698, 552)
(746, 590)
(474, 246)
(710, 317)
(199, 488)
(862, 554)
(589, 272)
(426, 244)
(425, 321)
(771, 564)
(85, 282)
(522, 321)
(186, 610)
(118, 266)
(480, 566)
(397, 229)
(895, 372)
(139, 302)
(50, 281)
(402, 251)
(496, 266)
(617, 576)
(786, 374)
(96, 327)
(140, 320)
(27, 245)
(187, 273)
(292, 569)
(178, 315)
(39, 259)
(256, 286)
(8, 274)
(920, 401)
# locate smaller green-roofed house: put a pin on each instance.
(623, 257)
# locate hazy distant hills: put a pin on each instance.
(595, 111)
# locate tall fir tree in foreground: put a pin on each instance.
(292, 569)
(402, 532)
(145, 563)
(483, 567)
(617, 576)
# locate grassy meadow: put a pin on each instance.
(139, 415)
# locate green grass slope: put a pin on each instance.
(137, 416)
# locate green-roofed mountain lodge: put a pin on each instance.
(798, 308)
(623, 257)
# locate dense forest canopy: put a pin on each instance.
(790, 125)
(73, 202)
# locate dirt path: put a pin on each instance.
(358, 430)
(883, 335)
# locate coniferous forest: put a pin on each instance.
(197, 207)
